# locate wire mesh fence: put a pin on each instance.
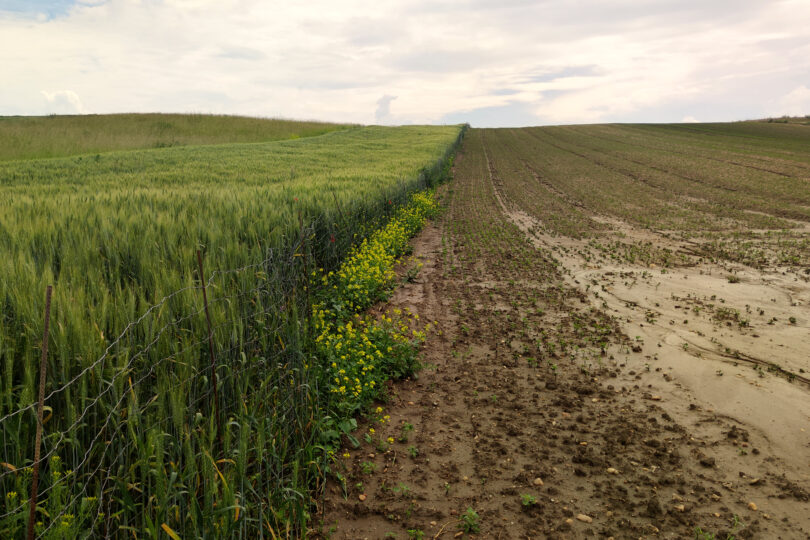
(132, 440)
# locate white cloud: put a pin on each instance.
(383, 112)
(545, 61)
(689, 120)
(796, 102)
(63, 102)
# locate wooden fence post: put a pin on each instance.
(42, 370)
(210, 348)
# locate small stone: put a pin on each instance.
(715, 497)
(708, 462)
(411, 403)
(594, 400)
(755, 481)
(569, 521)
(585, 519)
(362, 496)
(766, 516)
(680, 508)
(655, 398)
(611, 470)
(538, 481)
(433, 523)
(752, 506)
(371, 456)
(654, 507)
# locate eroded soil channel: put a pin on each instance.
(623, 385)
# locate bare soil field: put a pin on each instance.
(623, 345)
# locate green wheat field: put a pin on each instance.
(111, 211)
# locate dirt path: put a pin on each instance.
(539, 409)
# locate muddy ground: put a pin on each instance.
(569, 395)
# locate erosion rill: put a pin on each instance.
(595, 372)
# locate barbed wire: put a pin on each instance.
(122, 450)
(125, 369)
(108, 426)
(140, 319)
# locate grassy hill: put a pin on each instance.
(27, 137)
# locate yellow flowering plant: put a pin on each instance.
(358, 353)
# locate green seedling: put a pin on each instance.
(468, 522)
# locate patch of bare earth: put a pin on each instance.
(569, 396)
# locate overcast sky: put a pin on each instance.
(487, 62)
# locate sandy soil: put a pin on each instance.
(695, 326)
(569, 397)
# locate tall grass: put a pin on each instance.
(30, 137)
(132, 442)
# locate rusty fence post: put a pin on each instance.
(210, 346)
(42, 370)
